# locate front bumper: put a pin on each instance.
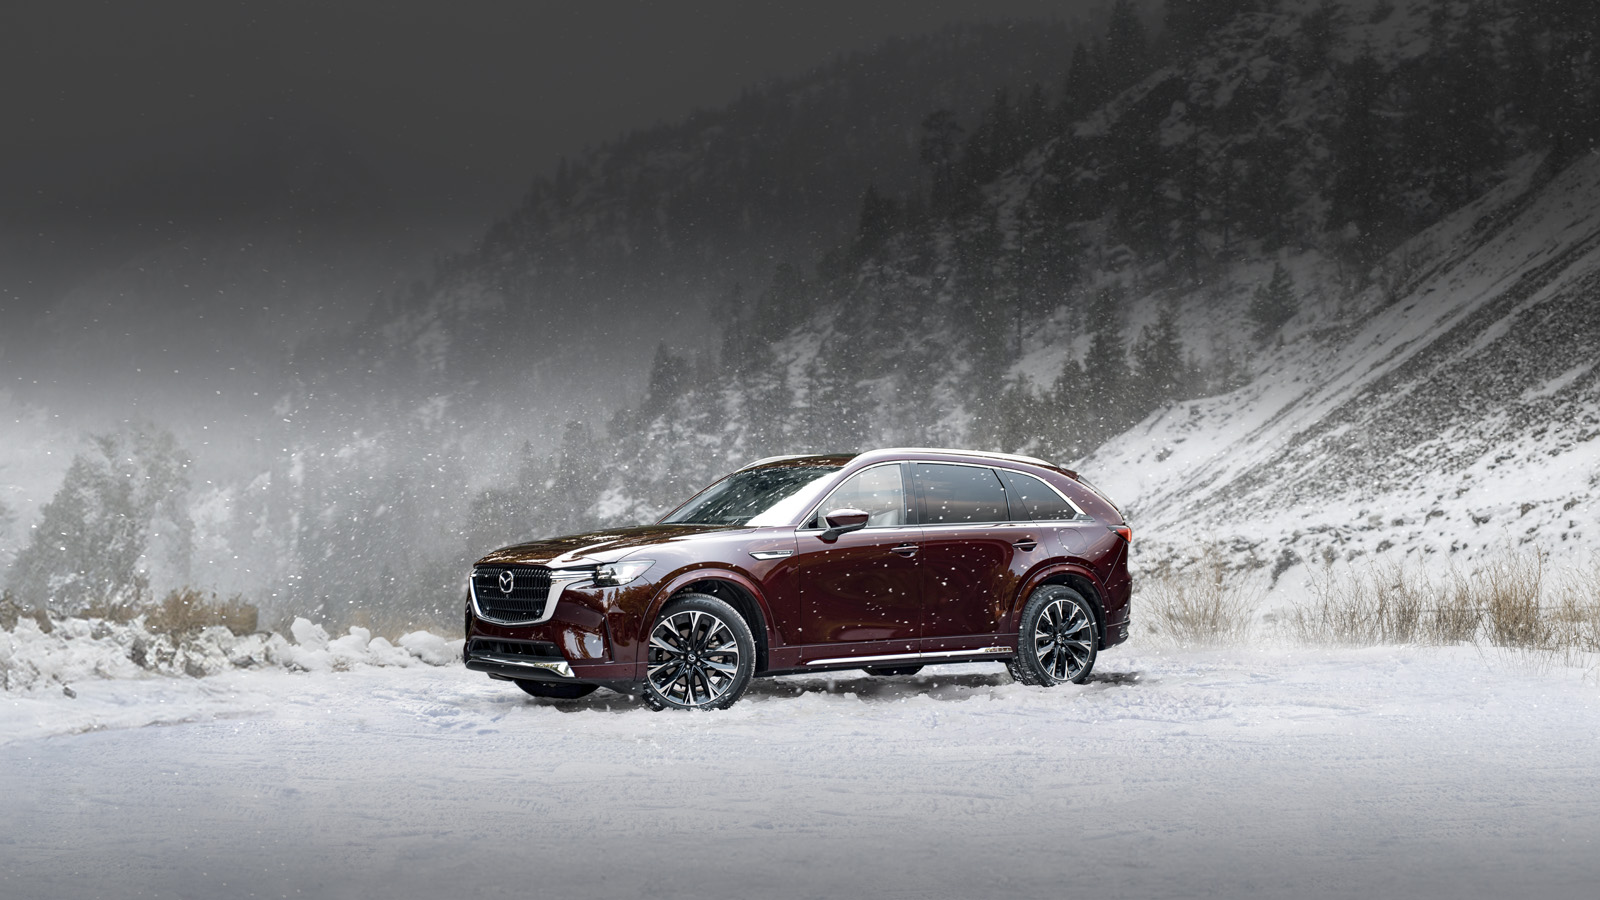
(533, 660)
(583, 637)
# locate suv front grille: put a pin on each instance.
(530, 588)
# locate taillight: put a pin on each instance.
(1123, 532)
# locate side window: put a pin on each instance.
(879, 491)
(960, 495)
(1033, 499)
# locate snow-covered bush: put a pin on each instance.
(78, 649)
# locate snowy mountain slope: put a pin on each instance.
(1458, 416)
(1179, 195)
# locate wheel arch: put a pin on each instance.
(1079, 579)
(728, 586)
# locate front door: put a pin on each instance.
(860, 591)
(973, 556)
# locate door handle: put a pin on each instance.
(906, 550)
(1026, 544)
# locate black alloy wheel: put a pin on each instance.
(1057, 639)
(701, 655)
(556, 690)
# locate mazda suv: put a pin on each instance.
(883, 561)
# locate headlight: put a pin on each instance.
(614, 574)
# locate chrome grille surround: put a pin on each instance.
(533, 596)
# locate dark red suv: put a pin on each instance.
(882, 561)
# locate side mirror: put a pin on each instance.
(841, 521)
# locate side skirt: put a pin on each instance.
(992, 654)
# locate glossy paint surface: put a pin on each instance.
(817, 601)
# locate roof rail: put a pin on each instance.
(1014, 457)
(773, 459)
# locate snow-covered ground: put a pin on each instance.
(1393, 772)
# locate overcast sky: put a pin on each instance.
(193, 184)
(430, 118)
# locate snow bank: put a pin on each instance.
(84, 649)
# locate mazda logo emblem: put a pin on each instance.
(507, 581)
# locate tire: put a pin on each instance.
(555, 690)
(892, 670)
(700, 655)
(1056, 640)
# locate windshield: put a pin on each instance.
(743, 496)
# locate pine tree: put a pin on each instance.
(768, 403)
(1158, 358)
(1451, 97)
(1563, 100)
(1127, 46)
(785, 304)
(668, 379)
(1273, 304)
(1105, 366)
(1362, 160)
(940, 135)
(1065, 433)
(1085, 84)
(1013, 421)
(880, 216)
(1033, 118)
(95, 536)
(577, 477)
(1187, 22)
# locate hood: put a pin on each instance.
(604, 546)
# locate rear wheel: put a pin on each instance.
(892, 670)
(555, 690)
(701, 655)
(1056, 641)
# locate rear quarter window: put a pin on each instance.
(1033, 499)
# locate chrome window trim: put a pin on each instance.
(805, 528)
(559, 580)
(1080, 514)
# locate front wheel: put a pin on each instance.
(1056, 641)
(701, 655)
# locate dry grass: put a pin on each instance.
(11, 610)
(1387, 603)
(1199, 604)
(1575, 618)
(187, 611)
(1510, 602)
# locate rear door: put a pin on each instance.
(1064, 528)
(860, 592)
(974, 555)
